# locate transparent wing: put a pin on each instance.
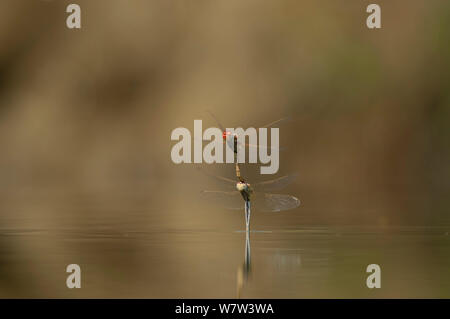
(261, 202)
(275, 184)
(284, 119)
(266, 186)
(228, 182)
(230, 142)
(271, 124)
(251, 146)
(243, 146)
(229, 200)
(217, 121)
(274, 202)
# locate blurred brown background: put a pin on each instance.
(86, 117)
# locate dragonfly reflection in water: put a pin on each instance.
(244, 271)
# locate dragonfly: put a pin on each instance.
(231, 139)
(256, 195)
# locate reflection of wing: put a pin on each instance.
(274, 202)
(275, 184)
(230, 200)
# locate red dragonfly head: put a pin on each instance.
(225, 134)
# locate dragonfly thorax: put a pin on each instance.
(245, 190)
(243, 187)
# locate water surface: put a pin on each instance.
(124, 260)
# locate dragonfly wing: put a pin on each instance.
(275, 184)
(229, 200)
(274, 202)
(252, 146)
(284, 119)
(228, 182)
(230, 143)
(217, 121)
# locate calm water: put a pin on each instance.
(126, 259)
